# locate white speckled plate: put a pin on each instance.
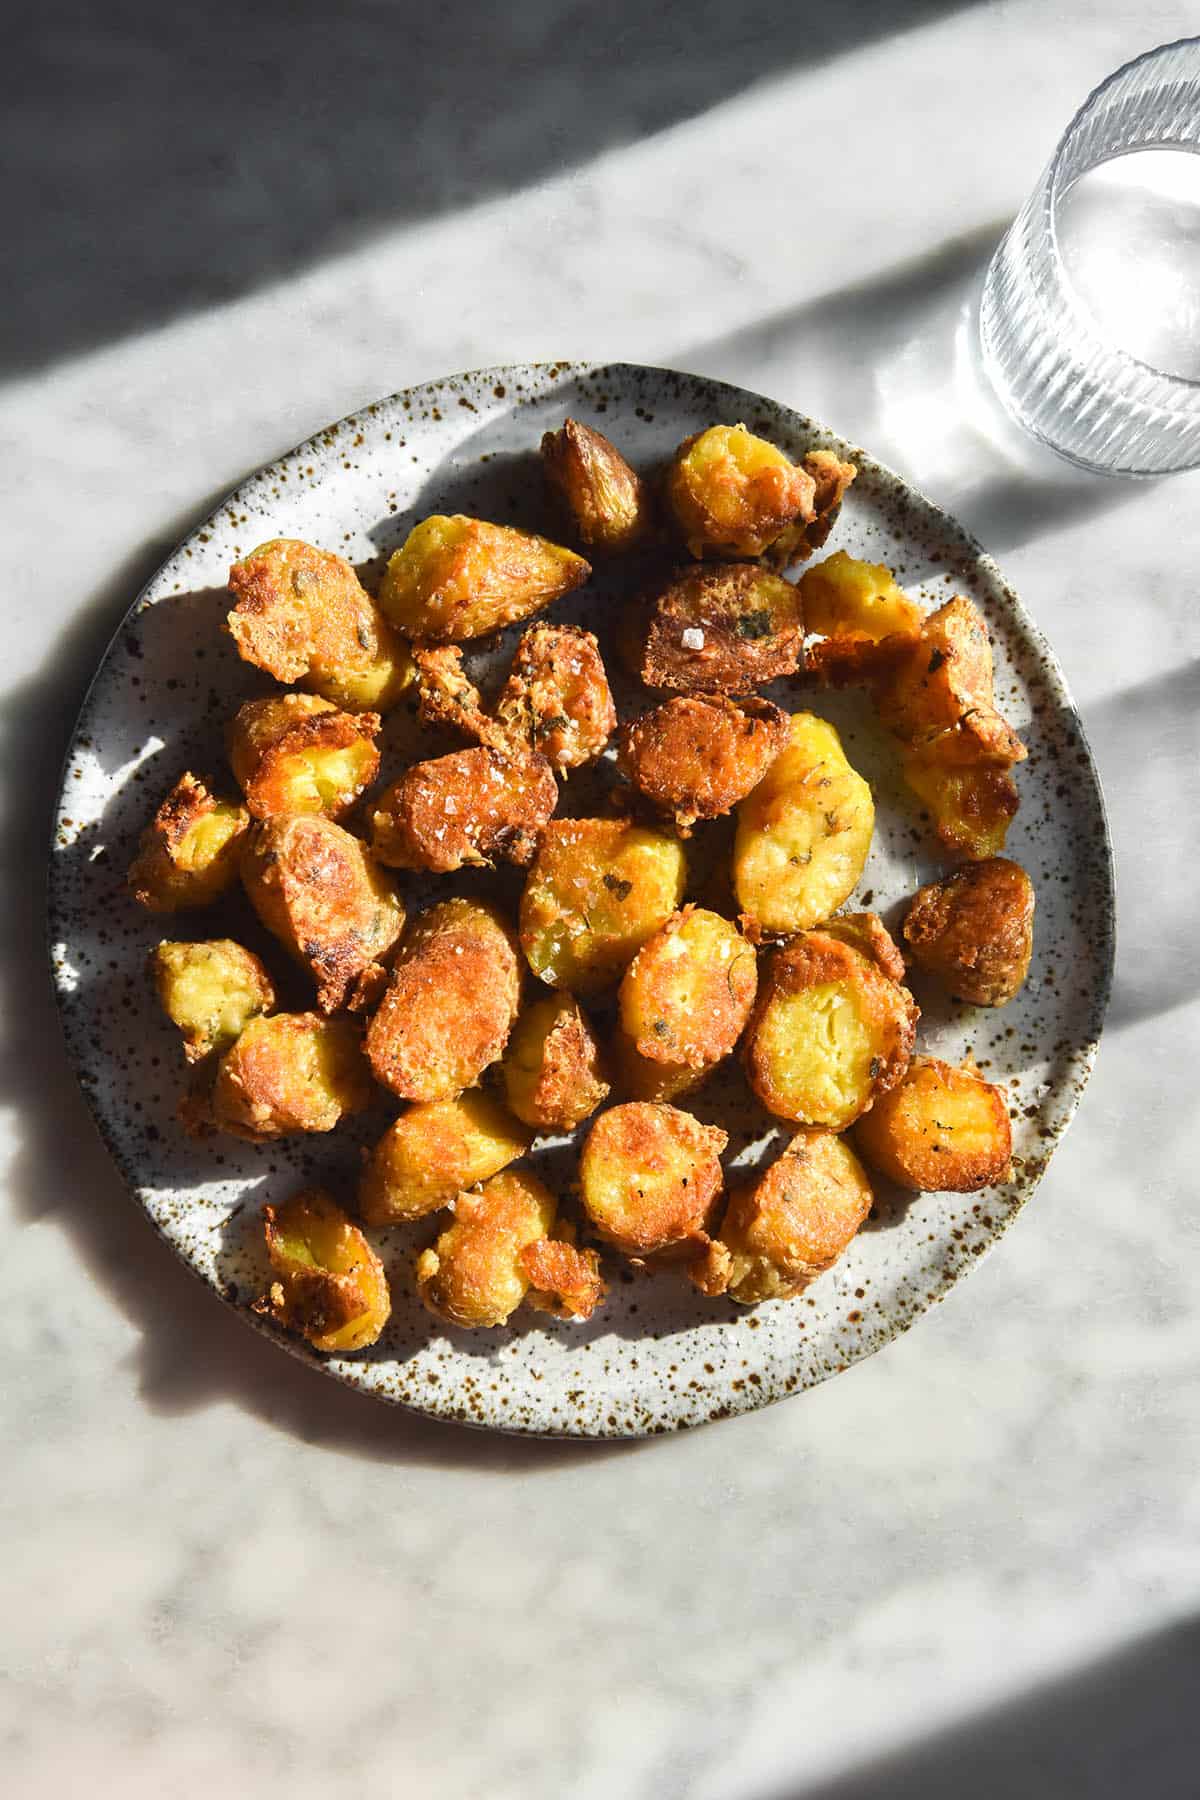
(657, 1356)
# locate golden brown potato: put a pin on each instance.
(686, 996)
(473, 807)
(295, 753)
(803, 834)
(188, 854)
(637, 1077)
(733, 494)
(450, 1003)
(498, 1249)
(699, 754)
(945, 675)
(330, 1285)
(446, 696)
(316, 887)
(975, 930)
(434, 1151)
(210, 991)
(303, 616)
(865, 621)
(942, 1129)
(971, 808)
(727, 629)
(790, 1225)
(598, 888)
(831, 477)
(557, 699)
(291, 1072)
(649, 1180)
(552, 1066)
(829, 1033)
(867, 932)
(457, 578)
(606, 501)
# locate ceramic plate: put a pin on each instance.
(657, 1356)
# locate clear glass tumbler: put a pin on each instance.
(1089, 321)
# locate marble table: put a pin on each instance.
(971, 1564)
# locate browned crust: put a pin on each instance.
(673, 1211)
(944, 676)
(700, 1033)
(557, 700)
(751, 623)
(831, 477)
(867, 932)
(697, 755)
(266, 734)
(491, 576)
(971, 806)
(472, 807)
(607, 502)
(565, 1280)
(974, 930)
(446, 696)
(570, 1081)
(915, 1135)
(155, 879)
(316, 1301)
(768, 502)
(265, 1087)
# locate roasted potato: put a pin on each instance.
(188, 854)
(291, 1072)
(727, 629)
(317, 888)
(942, 1129)
(945, 675)
(450, 1003)
(472, 807)
(434, 1151)
(303, 616)
(557, 699)
(865, 621)
(733, 494)
(649, 1180)
(498, 1249)
(295, 753)
(552, 1066)
(607, 502)
(446, 696)
(637, 1077)
(699, 754)
(803, 834)
(831, 477)
(974, 930)
(457, 578)
(971, 808)
(867, 932)
(330, 1285)
(829, 1033)
(210, 991)
(598, 888)
(686, 996)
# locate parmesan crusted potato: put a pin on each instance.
(686, 996)
(866, 931)
(446, 696)
(552, 1067)
(318, 890)
(473, 807)
(303, 616)
(188, 854)
(831, 477)
(803, 834)
(649, 1180)
(733, 494)
(974, 930)
(971, 808)
(291, 1072)
(329, 1283)
(557, 699)
(829, 1033)
(607, 502)
(865, 621)
(450, 1003)
(942, 1129)
(790, 1225)
(945, 675)
(210, 991)
(699, 754)
(434, 1151)
(598, 888)
(295, 753)
(726, 629)
(457, 578)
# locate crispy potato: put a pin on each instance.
(330, 1284)
(471, 807)
(975, 930)
(942, 1129)
(867, 932)
(829, 1032)
(295, 753)
(446, 696)
(303, 616)
(637, 1077)
(803, 834)
(971, 808)
(597, 890)
(434, 1151)
(291, 1072)
(687, 994)
(699, 754)
(649, 1180)
(450, 1003)
(210, 991)
(565, 1281)
(727, 629)
(457, 578)
(790, 1225)
(552, 1066)
(733, 494)
(945, 675)
(606, 501)
(188, 854)
(831, 477)
(497, 1250)
(317, 888)
(557, 699)
(866, 622)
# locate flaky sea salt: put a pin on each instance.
(693, 638)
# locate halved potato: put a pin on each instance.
(649, 1180)
(607, 501)
(456, 577)
(941, 1128)
(974, 929)
(296, 753)
(473, 807)
(863, 617)
(733, 494)
(435, 1150)
(552, 1066)
(971, 808)
(330, 1285)
(687, 994)
(696, 756)
(557, 699)
(188, 854)
(291, 1072)
(210, 991)
(726, 629)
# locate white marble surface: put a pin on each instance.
(968, 1565)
